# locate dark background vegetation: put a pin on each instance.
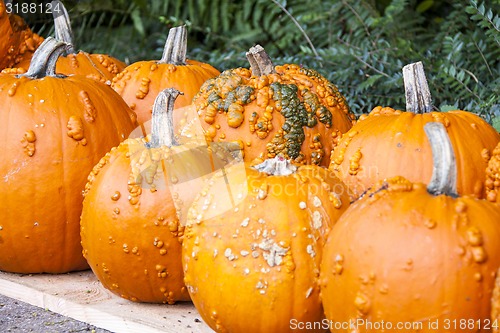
(361, 46)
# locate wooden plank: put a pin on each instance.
(80, 296)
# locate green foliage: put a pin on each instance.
(361, 46)
(496, 123)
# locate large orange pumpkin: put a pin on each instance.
(140, 82)
(270, 110)
(130, 229)
(492, 183)
(253, 265)
(388, 142)
(54, 130)
(411, 258)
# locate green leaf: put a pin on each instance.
(137, 20)
(496, 123)
(447, 107)
(425, 5)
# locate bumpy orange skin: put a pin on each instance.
(495, 304)
(140, 83)
(5, 32)
(16, 39)
(402, 255)
(492, 183)
(237, 106)
(254, 267)
(99, 67)
(388, 143)
(26, 51)
(130, 232)
(54, 130)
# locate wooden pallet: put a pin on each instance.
(82, 297)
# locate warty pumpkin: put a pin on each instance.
(100, 67)
(492, 183)
(253, 266)
(5, 33)
(17, 41)
(270, 110)
(389, 142)
(140, 82)
(54, 130)
(130, 227)
(413, 254)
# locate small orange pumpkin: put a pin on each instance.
(388, 142)
(411, 254)
(17, 41)
(55, 129)
(140, 82)
(130, 229)
(252, 266)
(100, 67)
(492, 183)
(270, 110)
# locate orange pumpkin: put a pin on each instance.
(388, 142)
(55, 129)
(17, 40)
(5, 33)
(140, 82)
(131, 233)
(492, 183)
(100, 67)
(253, 266)
(270, 110)
(495, 305)
(27, 49)
(406, 254)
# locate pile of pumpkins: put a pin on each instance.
(254, 193)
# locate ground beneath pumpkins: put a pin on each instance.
(19, 317)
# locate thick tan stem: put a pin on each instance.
(175, 48)
(162, 123)
(418, 96)
(44, 59)
(444, 173)
(62, 25)
(260, 62)
(277, 166)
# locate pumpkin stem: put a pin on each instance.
(62, 24)
(277, 166)
(260, 62)
(418, 96)
(44, 59)
(175, 48)
(162, 123)
(444, 173)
